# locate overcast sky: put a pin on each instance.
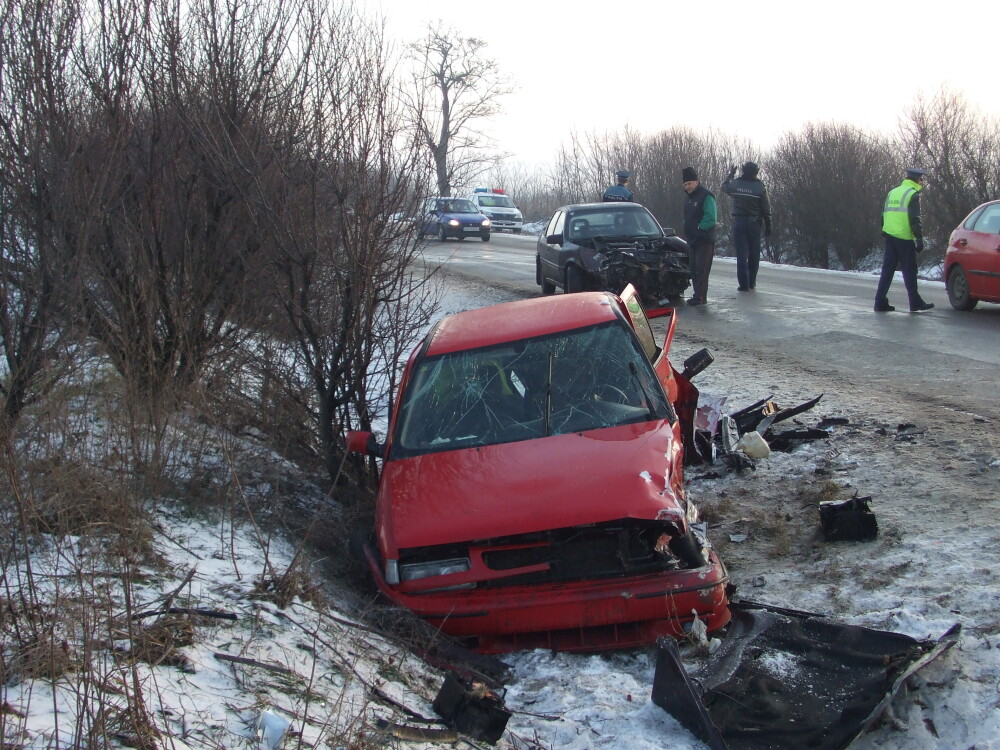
(754, 69)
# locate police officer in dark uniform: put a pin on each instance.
(751, 211)
(620, 191)
(904, 238)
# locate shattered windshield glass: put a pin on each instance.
(584, 379)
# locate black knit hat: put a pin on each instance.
(750, 169)
(689, 175)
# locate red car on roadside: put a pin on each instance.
(532, 489)
(972, 263)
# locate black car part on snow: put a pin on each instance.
(784, 678)
(472, 708)
(848, 520)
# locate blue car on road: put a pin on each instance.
(452, 217)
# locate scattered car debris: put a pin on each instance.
(848, 520)
(271, 728)
(748, 434)
(472, 708)
(451, 656)
(785, 678)
(788, 439)
(411, 733)
(753, 445)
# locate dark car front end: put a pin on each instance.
(613, 245)
(657, 267)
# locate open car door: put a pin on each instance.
(679, 389)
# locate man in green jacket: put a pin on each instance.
(904, 238)
(699, 230)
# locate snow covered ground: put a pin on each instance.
(271, 661)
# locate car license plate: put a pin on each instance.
(472, 229)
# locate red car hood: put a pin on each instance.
(534, 485)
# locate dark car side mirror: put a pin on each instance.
(696, 363)
(554, 239)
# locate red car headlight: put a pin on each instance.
(416, 571)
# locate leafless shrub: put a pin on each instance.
(960, 147)
(828, 183)
(295, 582)
(38, 659)
(160, 641)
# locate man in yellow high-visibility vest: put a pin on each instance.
(904, 238)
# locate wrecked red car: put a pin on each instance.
(532, 488)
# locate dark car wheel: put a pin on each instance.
(958, 290)
(575, 281)
(442, 234)
(547, 286)
(485, 237)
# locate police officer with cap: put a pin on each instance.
(620, 191)
(904, 238)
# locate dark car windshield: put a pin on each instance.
(457, 206)
(583, 379)
(616, 220)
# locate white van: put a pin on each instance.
(504, 215)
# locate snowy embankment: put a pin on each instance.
(248, 642)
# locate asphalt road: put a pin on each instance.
(818, 320)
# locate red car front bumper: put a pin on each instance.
(579, 616)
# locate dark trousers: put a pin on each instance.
(901, 253)
(746, 235)
(700, 256)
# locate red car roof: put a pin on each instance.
(510, 321)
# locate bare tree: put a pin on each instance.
(664, 156)
(456, 88)
(829, 182)
(528, 188)
(328, 205)
(960, 147)
(35, 53)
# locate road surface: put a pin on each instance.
(820, 321)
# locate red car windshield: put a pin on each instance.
(583, 379)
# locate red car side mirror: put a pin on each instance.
(363, 441)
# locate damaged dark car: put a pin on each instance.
(532, 491)
(606, 246)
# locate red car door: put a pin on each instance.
(979, 253)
